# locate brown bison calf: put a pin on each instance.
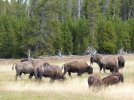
(113, 79)
(94, 80)
(78, 67)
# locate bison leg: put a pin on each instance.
(111, 70)
(52, 80)
(100, 69)
(101, 66)
(79, 74)
(104, 69)
(69, 73)
(40, 77)
(36, 74)
(16, 77)
(30, 76)
(18, 74)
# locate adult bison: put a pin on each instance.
(94, 80)
(78, 67)
(36, 64)
(23, 67)
(52, 71)
(105, 62)
(28, 67)
(121, 61)
(113, 79)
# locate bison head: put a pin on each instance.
(121, 61)
(62, 77)
(95, 58)
(120, 75)
(91, 60)
(89, 70)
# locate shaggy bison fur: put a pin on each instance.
(94, 80)
(23, 67)
(113, 79)
(78, 67)
(52, 71)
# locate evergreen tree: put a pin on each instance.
(67, 39)
(131, 22)
(46, 26)
(107, 38)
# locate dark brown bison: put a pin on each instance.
(52, 71)
(94, 80)
(23, 67)
(121, 61)
(113, 79)
(105, 62)
(78, 67)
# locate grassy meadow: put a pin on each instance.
(75, 88)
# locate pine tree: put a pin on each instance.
(107, 38)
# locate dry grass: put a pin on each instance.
(72, 88)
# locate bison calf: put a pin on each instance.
(113, 79)
(120, 75)
(94, 80)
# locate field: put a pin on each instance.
(75, 88)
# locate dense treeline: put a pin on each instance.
(47, 26)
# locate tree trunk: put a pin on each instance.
(79, 8)
(106, 7)
(129, 14)
(29, 54)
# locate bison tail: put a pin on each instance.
(13, 66)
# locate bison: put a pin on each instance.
(52, 71)
(23, 67)
(94, 80)
(120, 75)
(121, 61)
(36, 64)
(113, 79)
(105, 62)
(78, 67)
(29, 67)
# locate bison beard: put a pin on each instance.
(121, 62)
